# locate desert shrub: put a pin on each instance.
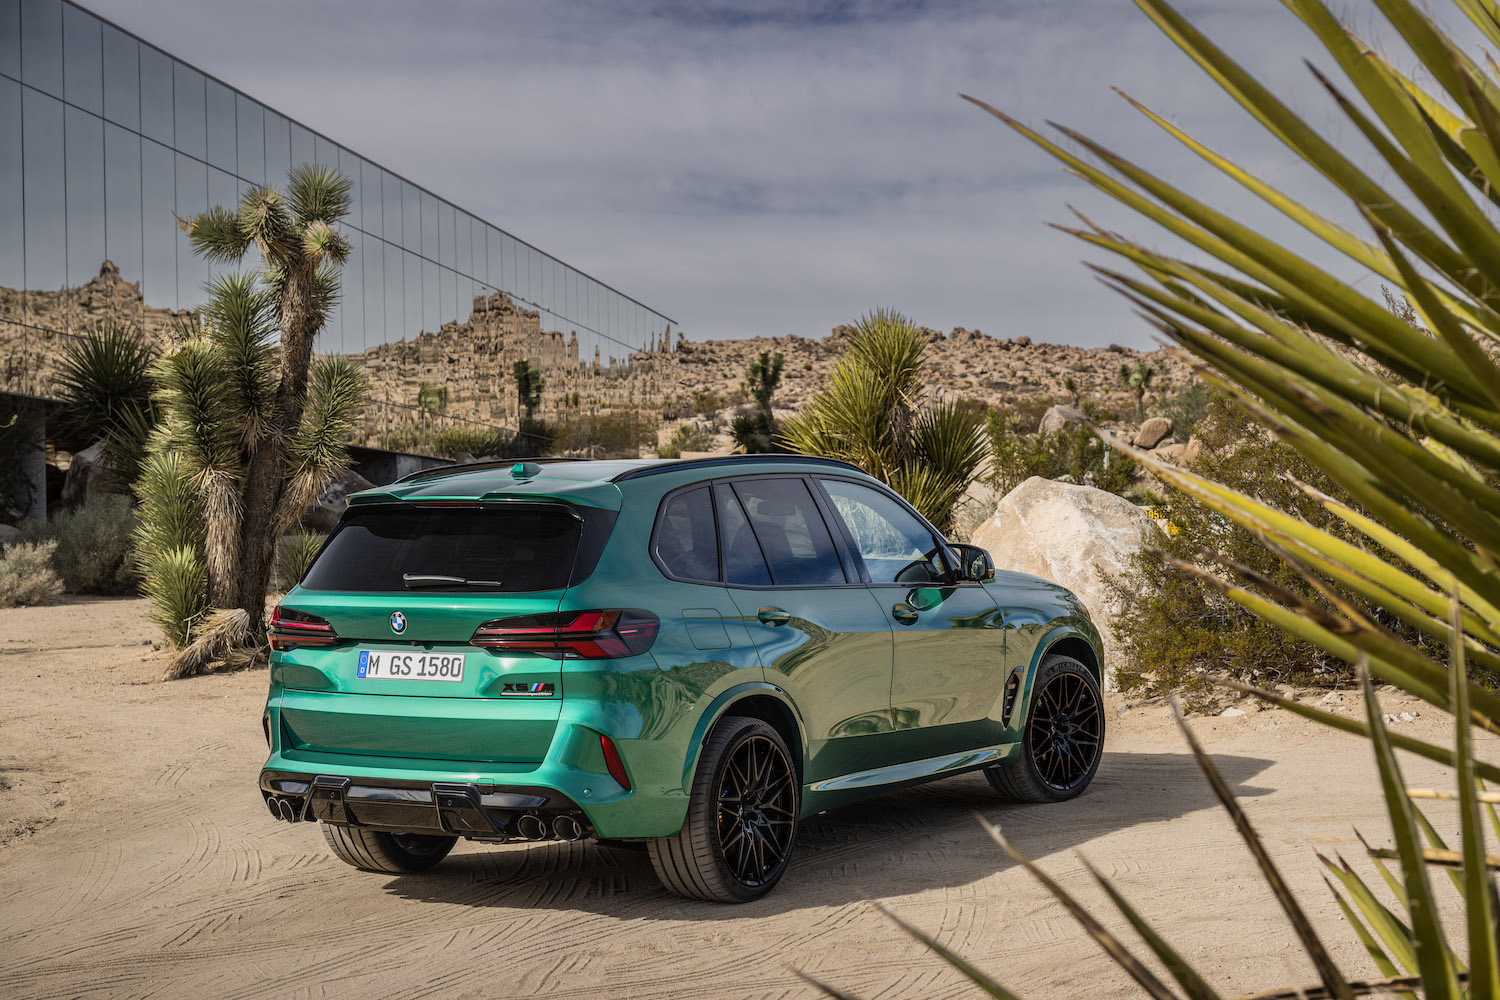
(621, 434)
(431, 396)
(534, 438)
(27, 575)
(706, 402)
(1172, 632)
(1017, 454)
(1186, 407)
(104, 381)
(450, 442)
(687, 437)
(93, 545)
(294, 555)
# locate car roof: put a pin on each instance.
(591, 482)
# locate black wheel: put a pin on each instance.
(1063, 738)
(741, 821)
(388, 853)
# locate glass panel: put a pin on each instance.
(395, 295)
(278, 149)
(325, 152)
(41, 45)
(743, 563)
(371, 214)
(85, 182)
(303, 150)
(430, 241)
(349, 166)
(390, 198)
(464, 263)
(156, 95)
(158, 227)
(221, 126)
(373, 265)
(122, 200)
(411, 217)
(192, 200)
(411, 270)
(42, 148)
(352, 298)
(447, 242)
(492, 243)
(685, 539)
(83, 60)
(10, 39)
(250, 124)
(432, 317)
(188, 97)
(448, 295)
(481, 266)
(791, 532)
(122, 78)
(13, 246)
(223, 189)
(894, 544)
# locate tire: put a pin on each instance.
(1056, 764)
(725, 853)
(387, 853)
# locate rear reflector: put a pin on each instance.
(613, 761)
(291, 628)
(571, 635)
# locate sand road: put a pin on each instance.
(139, 861)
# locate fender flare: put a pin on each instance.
(721, 704)
(1061, 629)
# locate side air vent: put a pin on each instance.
(1012, 687)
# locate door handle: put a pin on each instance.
(904, 613)
(773, 616)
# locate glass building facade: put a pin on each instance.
(105, 141)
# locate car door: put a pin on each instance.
(821, 636)
(948, 672)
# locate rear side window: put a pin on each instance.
(525, 547)
(791, 532)
(743, 564)
(685, 541)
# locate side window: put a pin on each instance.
(685, 541)
(791, 532)
(895, 546)
(743, 564)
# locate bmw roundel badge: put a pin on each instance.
(398, 622)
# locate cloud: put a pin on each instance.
(770, 168)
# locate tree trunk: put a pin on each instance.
(266, 479)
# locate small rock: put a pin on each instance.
(1153, 432)
(1408, 717)
(1332, 697)
(1231, 712)
(1122, 711)
(1390, 719)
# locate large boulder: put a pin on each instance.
(88, 474)
(1058, 417)
(1068, 534)
(1153, 432)
(324, 512)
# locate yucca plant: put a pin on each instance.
(870, 413)
(250, 432)
(104, 380)
(1405, 419)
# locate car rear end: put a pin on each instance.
(418, 670)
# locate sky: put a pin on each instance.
(763, 169)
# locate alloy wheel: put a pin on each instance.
(1067, 726)
(755, 811)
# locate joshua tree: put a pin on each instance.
(1072, 387)
(250, 432)
(755, 433)
(1136, 380)
(762, 378)
(529, 385)
(868, 414)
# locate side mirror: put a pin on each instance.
(974, 563)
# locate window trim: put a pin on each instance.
(950, 561)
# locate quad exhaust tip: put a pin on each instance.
(284, 809)
(531, 827)
(567, 828)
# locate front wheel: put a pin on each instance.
(742, 817)
(387, 853)
(1063, 739)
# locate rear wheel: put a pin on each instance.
(742, 818)
(388, 853)
(1063, 739)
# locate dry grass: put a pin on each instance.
(27, 575)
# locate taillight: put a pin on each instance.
(291, 628)
(613, 761)
(571, 635)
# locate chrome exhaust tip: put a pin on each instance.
(274, 804)
(290, 810)
(531, 827)
(567, 828)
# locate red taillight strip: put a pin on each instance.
(286, 632)
(591, 635)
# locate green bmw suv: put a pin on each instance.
(691, 654)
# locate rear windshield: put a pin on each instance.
(524, 547)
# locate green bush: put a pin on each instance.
(1018, 454)
(93, 545)
(27, 575)
(621, 434)
(294, 555)
(1186, 407)
(687, 437)
(1172, 632)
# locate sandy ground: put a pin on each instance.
(138, 860)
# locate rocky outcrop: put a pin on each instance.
(1153, 432)
(89, 473)
(1067, 534)
(1060, 417)
(332, 501)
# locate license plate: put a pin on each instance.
(383, 664)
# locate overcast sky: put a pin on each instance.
(771, 168)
